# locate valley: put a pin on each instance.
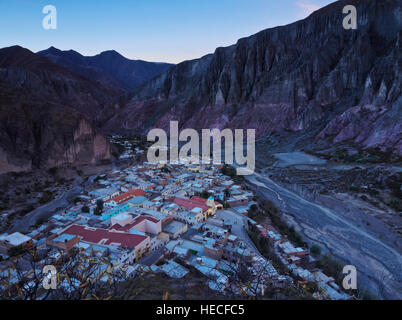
(317, 201)
(325, 105)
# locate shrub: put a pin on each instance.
(28, 209)
(47, 196)
(76, 200)
(15, 251)
(315, 250)
(99, 205)
(331, 267)
(97, 211)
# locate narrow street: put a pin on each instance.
(238, 222)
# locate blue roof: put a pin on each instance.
(134, 231)
(137, 200)
(64, 237)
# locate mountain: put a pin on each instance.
(109, 67)
(308, 76)
(49, 115)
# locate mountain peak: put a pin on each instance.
(245, 85)
(108, 67)
(17, 56)
(112, 53)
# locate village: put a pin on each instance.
(168, 219)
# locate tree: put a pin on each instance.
(315, 250)
(85, 209)
(47, 196)
(204, 194)
(15, 251)
(79, 276)
(97, 211)
(99, 205)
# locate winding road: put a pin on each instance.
(47, 210)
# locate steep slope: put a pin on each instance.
(309, 74)
(109, 67)
(48, 114)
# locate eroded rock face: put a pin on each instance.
(307, 74)
(48, 115)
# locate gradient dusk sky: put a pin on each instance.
(152, 30)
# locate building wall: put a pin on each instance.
(4, 246)
(123, 222)
(68, 245)
(214, 253)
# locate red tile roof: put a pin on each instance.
(132, 224)
(202, 200)
(190, 204)
(95, 235)
(128, 196)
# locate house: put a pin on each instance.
(103, 236)
(243, 210)
(156, 214)
(137, 242)
(297, 256)
(137, 201)
(63, 241)
(126, 187)
(235, 253)
(124, 197)
(15, 239)
(175, 229)
(143, 224)
(200, 200)
(198, 214)
(227, 184)
(115, 210)
(190, 218)
(190, 204)
(181, 252)
(105, 194)
(173, 269)
(239, 200)
(170, 208)
(153, 205)
(122, 219)
(213, 251)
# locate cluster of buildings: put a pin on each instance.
(145, 213)
(158, 217)
(301, 264)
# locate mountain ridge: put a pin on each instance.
(290, 78)
(109, 67)
(49, 116)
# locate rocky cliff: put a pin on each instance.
(311, 74)
(48, 115)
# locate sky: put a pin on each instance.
(151, 30)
